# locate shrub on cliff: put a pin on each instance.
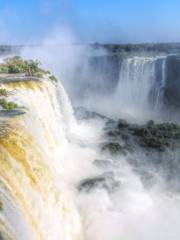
(18, 65)
(7, 105)
(3, 92)
(28, 67)
(53, 78)
(4, 69)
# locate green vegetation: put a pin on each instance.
(3, 92)
(1, 206)
(4, 69)
(4, 103)
(32, 68)
(53, 78)
(28, 68)
(7, 105)
(18, 65)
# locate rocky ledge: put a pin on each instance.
(152, 150)
(123, 137)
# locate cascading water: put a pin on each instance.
(137, 76)
(50, 186)
(159, 86)
(128, 85)
(35, 203)
(139, 87)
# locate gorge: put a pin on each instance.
(100, 161)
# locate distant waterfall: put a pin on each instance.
(160, 85)
(139, 85)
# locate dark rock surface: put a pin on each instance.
(172, 88)
(152, 149)
(12, 113)
(105, 181)
(149, 137)
(83, 113)
(103, 164)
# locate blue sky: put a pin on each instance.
(23, 21)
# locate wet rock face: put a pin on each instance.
(172, 89)
(150, 137)
(82, 113)
(104, 164)
(150, 148)
(105, 181)
(114, 148)
(12, 113)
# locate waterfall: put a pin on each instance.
(136, 78)
(159, 90)
(140, 84)
(35, 202)
(164, 72)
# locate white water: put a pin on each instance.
(70, 147)
(30, 160)
(139, 92)
(137, 81)
(58, 209)
(159, 97)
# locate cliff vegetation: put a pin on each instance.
(30, 68)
